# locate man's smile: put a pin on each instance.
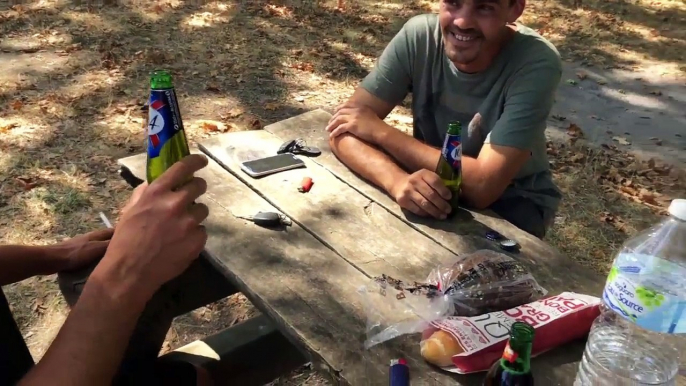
(462, 40)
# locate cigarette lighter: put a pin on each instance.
(399, 373)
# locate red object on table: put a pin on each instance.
(305, 185)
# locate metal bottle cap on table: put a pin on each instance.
(509, 245)
(493, 235)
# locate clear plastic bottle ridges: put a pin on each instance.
(638, 337)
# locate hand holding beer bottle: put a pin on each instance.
(423, 193)
(160, 234)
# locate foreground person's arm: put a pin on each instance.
(92, 341)
(156, 239)
(19, 262)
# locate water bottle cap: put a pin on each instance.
(678, 209)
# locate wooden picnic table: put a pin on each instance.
(344, 232)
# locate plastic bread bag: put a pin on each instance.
(486, 281)
(477, 283)
(394, 308)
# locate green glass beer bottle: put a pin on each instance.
(450, 162)
(514, 368)
(166, 138)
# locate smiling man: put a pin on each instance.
(470, 63)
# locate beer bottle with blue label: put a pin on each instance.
(450, 162)
(166, 138)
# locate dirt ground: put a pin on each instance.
(73, 77)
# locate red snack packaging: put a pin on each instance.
(470, 344)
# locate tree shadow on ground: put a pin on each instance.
(611, 33)
(244, 55)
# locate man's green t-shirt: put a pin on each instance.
(506, 105)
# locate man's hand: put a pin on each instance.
(80, 251)
(159, 234)
(359, 120)
(135, 196)
(423, 193)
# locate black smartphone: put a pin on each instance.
(270, 165)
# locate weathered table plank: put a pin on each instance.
(365, 234)
(461, 234)
(307, 289)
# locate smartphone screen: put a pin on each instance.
(273, 164)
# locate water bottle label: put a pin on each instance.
(649, 291)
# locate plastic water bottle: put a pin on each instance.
(634, 341)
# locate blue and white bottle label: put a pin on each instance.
(649, 291)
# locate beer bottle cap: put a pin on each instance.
(509, 245)
(493, 235)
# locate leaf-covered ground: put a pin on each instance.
(72, 80)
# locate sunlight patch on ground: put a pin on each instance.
(636, 99)
(92, 22)
(212, 15)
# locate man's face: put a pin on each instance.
(474, 29)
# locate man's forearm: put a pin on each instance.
(18, 262)
(92, 341)
(366, 160)
(415, 155)
(408, 151)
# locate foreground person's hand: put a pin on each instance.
(423, 193)
(160, 234)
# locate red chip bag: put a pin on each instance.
(471, 344)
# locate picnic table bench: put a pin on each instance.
(305, 279)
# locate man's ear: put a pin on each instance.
(516, 10)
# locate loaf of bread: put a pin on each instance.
(486, 281)
(439, 348)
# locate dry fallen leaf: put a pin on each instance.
(26, 182)
(648, 197)
(303, 66)
(577, 157)
(255, 124)
(628, 190)
(234, 113)
(8, 127)
(613, 220)
(157, 8)
(17, 105)
(271, 106)
(574, 131)
(212, 87)
(213, 126)
(621, 140)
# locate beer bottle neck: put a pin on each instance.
(160, 80)
(454, 128)
(517, 356)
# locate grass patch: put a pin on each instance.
(67, 202)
